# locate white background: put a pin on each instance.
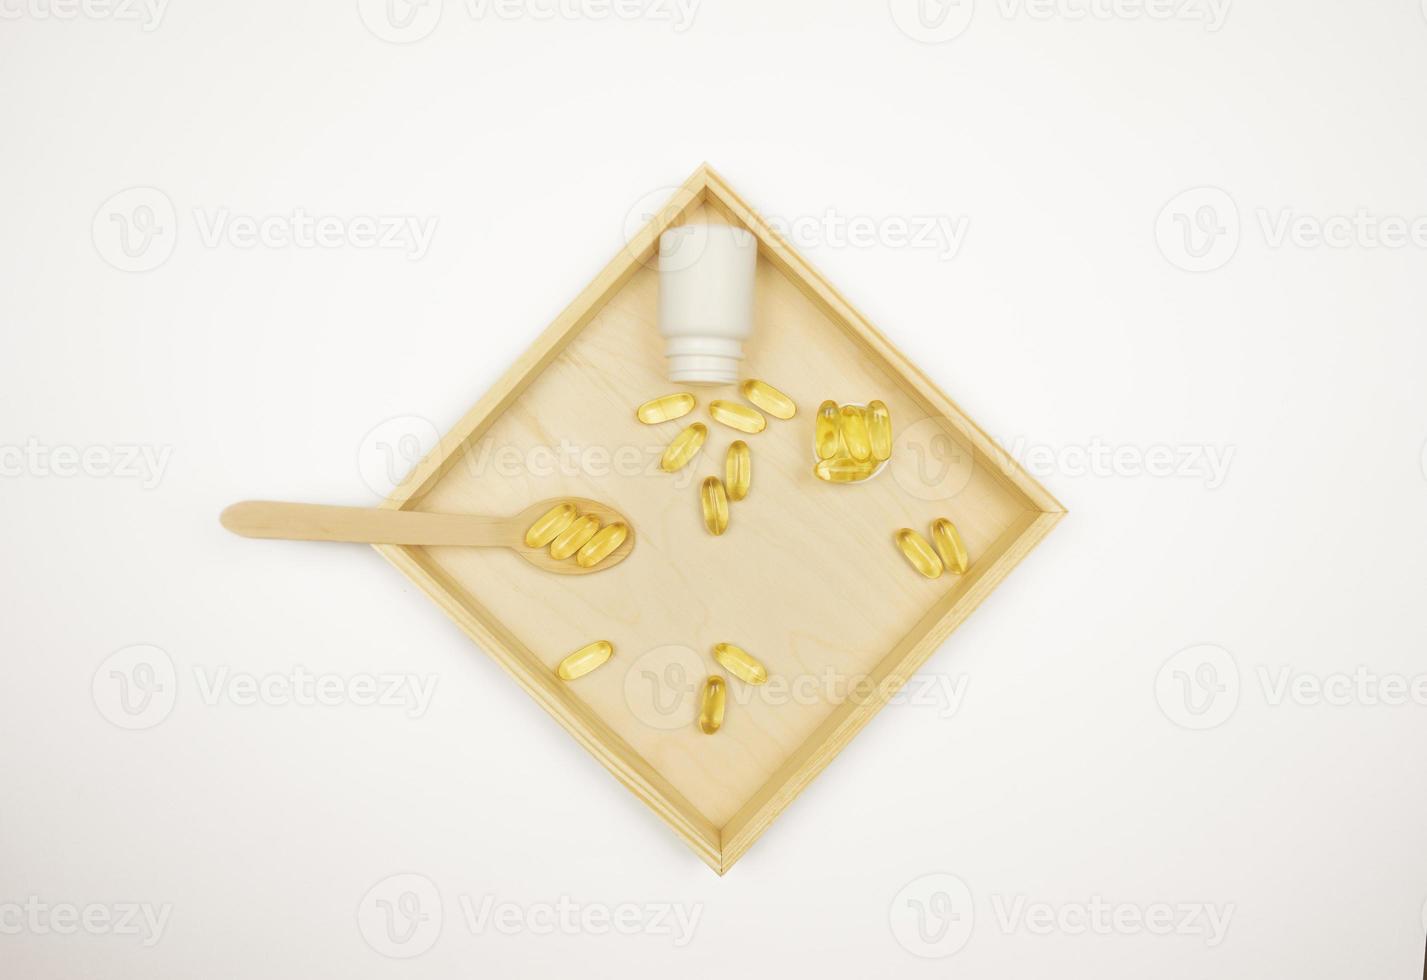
(1088, 761)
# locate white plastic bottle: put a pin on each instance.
(706, 300)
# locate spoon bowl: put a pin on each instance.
(541, 558)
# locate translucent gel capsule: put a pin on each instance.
(852, 424)
(714, 501)
(918, 552)
(738, 470)
(949, 545)
(768, 398)
(737, 416)
(684, 447)
(825, 437)
(711, 705)
(844, 469)
(879, 430)
(548, 526)
(574, 537)
(665, 408)
(585, 659)
(602, 545)
(740, 663)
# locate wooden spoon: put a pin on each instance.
(321, 522)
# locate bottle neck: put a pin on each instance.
(704, 360)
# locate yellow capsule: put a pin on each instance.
(950, 546)
(602, 545)
(825, 437)
(686, 446)
(844, 469)
(853, 428)
(740, 663)
(918, 552)
(768, 398)
(549, 525)
(738, 470)
(715, 504)
(711, 705)
(879, 430)
(585, 659)
(574, 537)
(665, 407)
(737, 416)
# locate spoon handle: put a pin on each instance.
(321, 522)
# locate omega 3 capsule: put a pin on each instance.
(714, 501)
(684, 447)
(584, 660)
(737, 416)
(825, 436)
(574, 537)
(853, 426)
(711, 705)
(549, 525)
(738, 470)
(844, 469)
(768, 398)
(740, 663)
(665, 407)
(879, 430)
(602, 545)
(950, 546)
(918, 553)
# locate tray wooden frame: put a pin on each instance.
(721, 846)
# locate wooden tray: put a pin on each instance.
(807, 576)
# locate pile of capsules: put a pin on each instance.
(715, 494)
(570, 534)
(712, 698)
(851, 441)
